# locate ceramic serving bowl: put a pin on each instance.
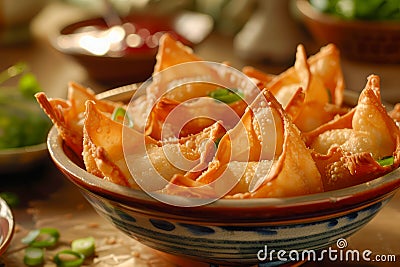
(135, 61)
(229, 232)
(371, 41)
(20, 159)
(6, 226)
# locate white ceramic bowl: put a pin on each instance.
(22, 158)
(6, 226)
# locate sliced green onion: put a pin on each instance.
(386, 161)
(119, 114)
(33, 256)
(68, 258)
(42, 238)
(225, 95)
(85, 246)
(31, 236)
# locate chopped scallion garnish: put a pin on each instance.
(386, 161)
(31, 236)
(33, 256)
(68, 258)
(42, 238)
(119, 114)
(85, 246)
(227, 96)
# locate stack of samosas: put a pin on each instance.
(295, 137)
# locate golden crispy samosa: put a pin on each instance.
(347, 150)
(67, 115)
(263, 156)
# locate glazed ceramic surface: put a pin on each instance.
(22, 158)
(230, 231)
(131, 64)
(371, 41)
(6, 226)
(234, 242)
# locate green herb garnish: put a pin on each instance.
(41, 238)
(33, 256)
(119, 114)
(386, 161)
(85, 246)
(68, 258)
(227, 96)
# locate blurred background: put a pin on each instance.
(261, 33)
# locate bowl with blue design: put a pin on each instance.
(241, 232)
